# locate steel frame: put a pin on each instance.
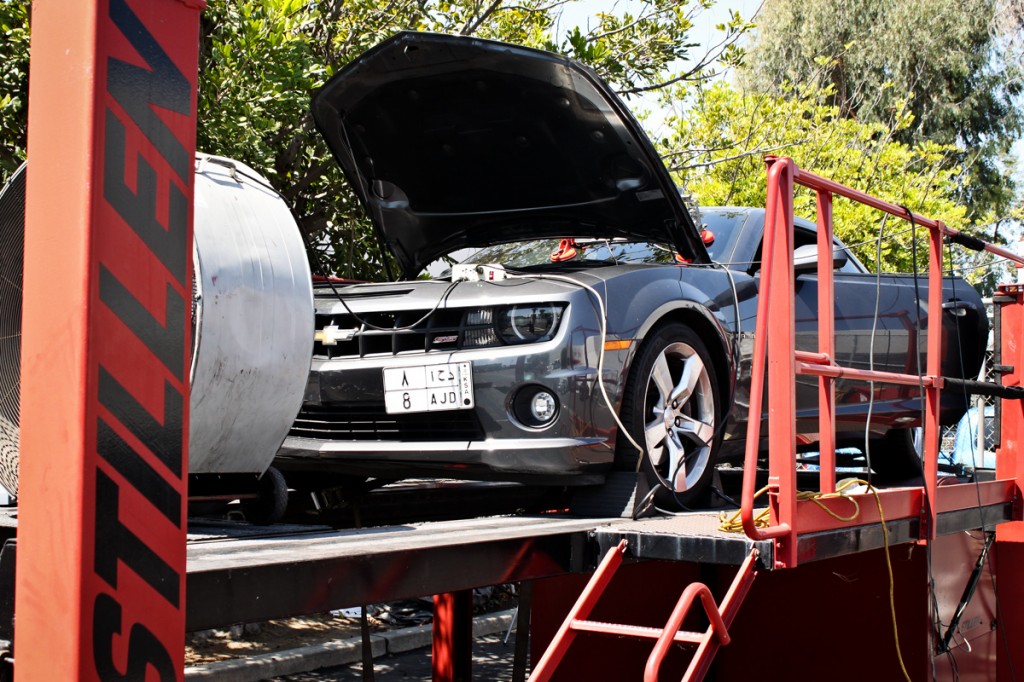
(115, 576)
(775, 321)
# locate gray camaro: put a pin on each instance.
(593, 295)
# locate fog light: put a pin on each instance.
(534, 406)
(542, 407)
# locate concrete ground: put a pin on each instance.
(492, 660)
(399, 655)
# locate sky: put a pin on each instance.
(583, 12)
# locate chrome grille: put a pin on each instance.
(386, 333)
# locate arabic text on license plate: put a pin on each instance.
(428, 388)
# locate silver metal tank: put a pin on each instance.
(252, 321)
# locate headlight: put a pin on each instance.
(526, 323)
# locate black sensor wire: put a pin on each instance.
(323, 272)
(936, 622)
(648, 499)
(315, 255)
(871, 347)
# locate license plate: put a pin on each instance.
(428, 388)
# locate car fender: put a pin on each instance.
(704, 321)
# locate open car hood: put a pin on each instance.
(453, 142)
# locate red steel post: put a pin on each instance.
(1010, 455)
(452, 659)
(1009, 547)
(933, 392)
(104, 419)
(781, 333)
(779, 191)
(826, 347)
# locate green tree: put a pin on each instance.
(947, 63)
(13, 84)
(260, 60)
(716, 150)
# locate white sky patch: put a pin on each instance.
(649, 107)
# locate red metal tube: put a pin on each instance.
(675, 621)
(826, 347)
(813, 358)
(933, 393)
(836, 372)
(816, 182)
(775, 195)
(581, 609)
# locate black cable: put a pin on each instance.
(366, 192)
(322, 271)
(720, 428)
(317, 256)
(936, 629)
(871, 346)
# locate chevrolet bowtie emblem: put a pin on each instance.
(332, 334)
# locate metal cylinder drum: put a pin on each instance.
(253, 315)
(252, 321)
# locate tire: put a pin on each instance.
(895, 458)
(680, 438)
(272, 501)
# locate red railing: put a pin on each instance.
(775, 321)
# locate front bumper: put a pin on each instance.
(556, 461)
(345, 428)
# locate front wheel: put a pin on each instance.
(671, 408)
(271, 500)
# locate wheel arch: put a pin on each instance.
(699, 319)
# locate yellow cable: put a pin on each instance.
(731, 523)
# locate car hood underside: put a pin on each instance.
(453, 142)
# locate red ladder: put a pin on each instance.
(707, 642)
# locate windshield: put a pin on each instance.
(722, 223)
(520, 255)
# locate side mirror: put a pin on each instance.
(805, 259)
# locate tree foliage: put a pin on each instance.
(13, 84)
(260, 60)
(717, 148)
(725, 142)
(948, 64)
